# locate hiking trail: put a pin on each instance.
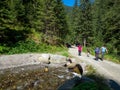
(107, 69)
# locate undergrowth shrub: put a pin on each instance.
(3, 49)
(30, 46)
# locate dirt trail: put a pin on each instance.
(109, 70)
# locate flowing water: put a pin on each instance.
(33, 77)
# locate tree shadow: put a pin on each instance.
(10, 37)
(114, 85)
(99, 83)
(104, 83)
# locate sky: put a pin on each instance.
(71, 2)
(68, 2)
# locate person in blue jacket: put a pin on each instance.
(97, 52)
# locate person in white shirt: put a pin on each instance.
(103, 51)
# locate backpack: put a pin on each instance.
(97, 50)
(103, 49)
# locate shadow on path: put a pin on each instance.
(70, 84)
(100, 83)
(114, 85)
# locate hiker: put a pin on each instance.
(79, 49)
(103, 51)
(97, 51)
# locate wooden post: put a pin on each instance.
(84, 42)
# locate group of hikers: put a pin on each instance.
(101, 51)
(77, 69)
(97, 51)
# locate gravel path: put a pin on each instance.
(109, 70)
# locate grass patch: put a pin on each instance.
(91, 49)
(90, 69)
(31, 46)
(113, 58)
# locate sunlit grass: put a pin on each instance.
(90, 69)
(113, 58)
(32, 47)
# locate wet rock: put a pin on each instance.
(37, 82)
(60, 76)
(19, 88)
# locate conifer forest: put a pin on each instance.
(52, 23)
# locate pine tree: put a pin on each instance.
(50, 22)
(97, 12)
(61, 23)
(106, 24)
(75, 21)
(85, 22)
(8, 21)
(111, 20)
(31, 17)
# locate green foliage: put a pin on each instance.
(113, 58)
(91, 49)
(45, 17)
(3, 49)
(90, 69)
(23, 47)
(55, 22)
(65, 53)
(106, 22)
(61, 22)
(45, 21)
(98, 23)
(62, 51)
(31, 46)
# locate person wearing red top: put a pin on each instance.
(79, 49)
